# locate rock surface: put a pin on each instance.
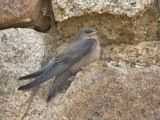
(117, 22)
(100, 92)
(120, 95)
(64, 9)
(23, 51)
(19, 48)
(21, 13)
(128, 56)
(158, 3)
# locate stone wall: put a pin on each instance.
(124, 84)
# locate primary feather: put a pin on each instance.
(74, 53)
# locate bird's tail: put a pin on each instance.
(37, 73)
(59, 82)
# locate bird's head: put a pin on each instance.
(87, 33)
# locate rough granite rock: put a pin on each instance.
(23, 51)
(128, 56)
(21, 47)
(158, 3)
(100, 92)
(118, 21)
(21, 13)
(65, 9)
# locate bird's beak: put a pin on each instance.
(93, 32)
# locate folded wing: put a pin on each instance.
(37, 73)
(74, 53)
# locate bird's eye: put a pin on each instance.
(87, 32)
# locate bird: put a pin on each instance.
(84, 50)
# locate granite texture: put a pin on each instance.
(21, 13)
(117, 21)
(105, 93)
(129, 56)
(123, 85)
(65, 9)
(23, 51)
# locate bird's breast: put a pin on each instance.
(92, 56)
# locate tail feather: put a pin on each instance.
(59, 81)
(37, 73)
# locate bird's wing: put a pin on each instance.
(74, 53)
(37, 73)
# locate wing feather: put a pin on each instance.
(37, 73)
(74, 53)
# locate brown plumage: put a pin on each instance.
(84, 50)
